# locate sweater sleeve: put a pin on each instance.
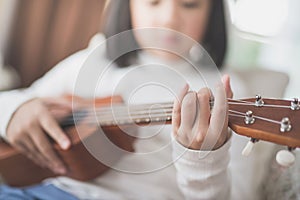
(58, 81)
(203, 174)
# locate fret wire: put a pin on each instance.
(138, 120)
(124, 116)
(124, 108)
(124, 113)
(116, 115)
(118, 112)
(130, 120)
(135, 117)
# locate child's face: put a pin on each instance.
(189, 17)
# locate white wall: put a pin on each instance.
(280, 52)
(283, 54)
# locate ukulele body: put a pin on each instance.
(18, 170)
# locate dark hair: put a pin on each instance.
(118, 19)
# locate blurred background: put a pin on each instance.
(35, 35)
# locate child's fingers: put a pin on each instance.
(46, 150)
(52, 128)
(60, 114)
(188, 114)
(29, 149)
(176, 114)
(203, 113)
(218, 118)
(227, 85)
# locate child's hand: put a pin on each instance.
(193, 122)
(28, 129)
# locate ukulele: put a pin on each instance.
(270, 120)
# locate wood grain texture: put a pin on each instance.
(45, 32)
(264, 130)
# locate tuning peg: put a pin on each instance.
(285, 158)
(249, 119)
(249, 147)
(259, 101)
(295, 104)
(285, 125)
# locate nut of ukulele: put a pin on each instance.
(285, 158)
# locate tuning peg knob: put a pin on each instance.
(285, 158)
(249, 147)
(259, 101)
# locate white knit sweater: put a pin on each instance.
(222, 174)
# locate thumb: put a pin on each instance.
(226, 83)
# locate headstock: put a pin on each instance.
(272, 120)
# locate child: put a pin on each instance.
(26, 119)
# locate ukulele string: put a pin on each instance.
(139, 113)
(137, 110)
(157, 118)
(168, 105)
(248, 103)
(122, 118)
(256, 116)
(107, 110)
(240, 101)
(235, 115)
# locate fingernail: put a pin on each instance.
(199, 138)
(65, 144)
(186, 87)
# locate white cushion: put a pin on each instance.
(265, 82)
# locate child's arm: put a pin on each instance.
(25, 118)
(202, 174)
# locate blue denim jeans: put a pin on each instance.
(37, 192)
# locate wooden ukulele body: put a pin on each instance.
(17, 170)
